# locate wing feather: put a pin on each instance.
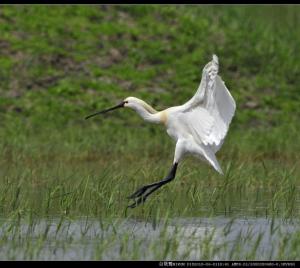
(208, 114)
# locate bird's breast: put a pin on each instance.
(172, 133)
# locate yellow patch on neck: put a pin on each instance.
(163, 117)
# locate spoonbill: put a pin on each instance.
(198, 127)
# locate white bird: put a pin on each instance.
(198, 127)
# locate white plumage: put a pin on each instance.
(199, 126)
(203, 122)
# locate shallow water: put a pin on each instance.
(216, 238)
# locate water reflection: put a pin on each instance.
(216, 238)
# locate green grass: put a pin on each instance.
(102, 54)
(87, 172)
(59, 64)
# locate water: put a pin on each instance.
(216, 238)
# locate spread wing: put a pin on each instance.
(208, 114)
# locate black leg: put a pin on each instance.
(142, 192)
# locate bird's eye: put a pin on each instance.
(125, 101)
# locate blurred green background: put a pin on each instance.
(59, 63)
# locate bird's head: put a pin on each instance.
(131, 102)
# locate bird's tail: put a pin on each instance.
(218, 167)
(211, 158)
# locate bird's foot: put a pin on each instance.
(139, 192)
(142, 199)
(142, 194)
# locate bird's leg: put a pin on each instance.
(143, 189)
(142, 192)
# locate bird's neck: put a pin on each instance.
(148, 113)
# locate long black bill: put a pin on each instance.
(107, 110)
